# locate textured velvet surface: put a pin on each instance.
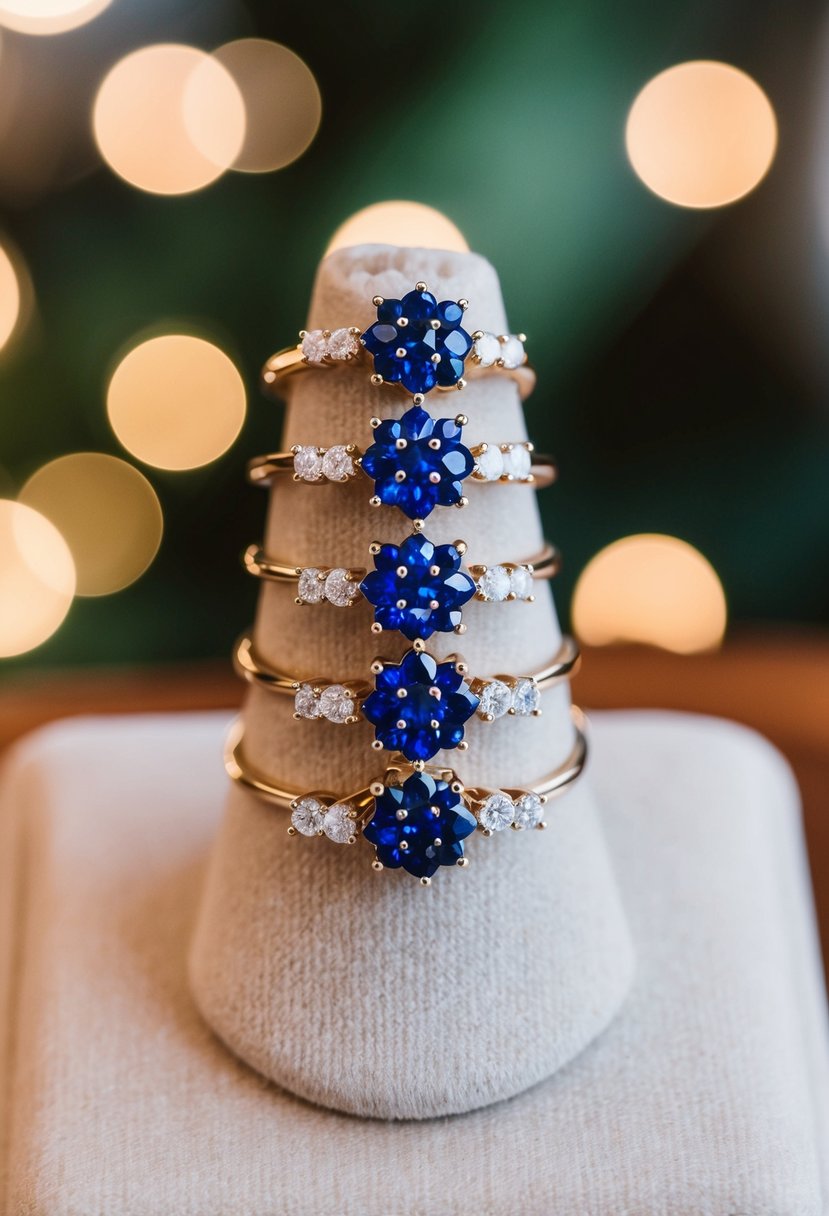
(706, 1095)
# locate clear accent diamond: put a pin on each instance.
(308, 816)
(337, 464)
(306, 702)
(521, 582)
(339, 589)
(490, 464)
(518, 462)
(496, 812)
(512, 351)
(314, 346)
(487, 349)
(494, 584)
(338, 824)
(336, 703)
(525, 697)
(311, 588)
(528, 811)
(496, 699)
(308, 464)
(342, 344)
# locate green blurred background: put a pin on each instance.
(681, 355)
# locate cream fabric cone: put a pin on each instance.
(363, 991)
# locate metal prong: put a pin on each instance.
(376, 379)
(421, 287)
(376, 789)
(425, 882)
(377, 301)
(377, 865)
(461, 420)
(463, 862)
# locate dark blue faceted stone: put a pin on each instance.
(416, 495)
(418, 589)
(433, 812)
(419, 724)
(419, 341)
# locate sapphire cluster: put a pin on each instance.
(419, 706)
(418, 342)
(418, 463)
(417, 588)
(419, 825)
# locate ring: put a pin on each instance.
(416, 588)
(416, 463)
(418, 706)
(418, 819)
(415, 342)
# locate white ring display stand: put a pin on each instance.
(365, 992)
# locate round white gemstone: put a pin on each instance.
(490, 464)
(337, 464)
(306, 702)
(487, 349)
(336, 703)
(338, 824)
(496, 698)
(521, 582)
(494, 584)
(525, 697)
(308, 816)
(342, 344)
(512, 351)
(308, 464)
(311, 587)
(314, 346)
(496, 812)
(518, 462)
(528, 811)
(339, 589)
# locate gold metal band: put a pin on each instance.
(262, 469)
(256, 671)
(543, 566)
(290, 361)
(548, 787)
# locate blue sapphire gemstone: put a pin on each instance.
(430, 476)
(419, 706)
(418, 588)
(433, 823)
(428, 349)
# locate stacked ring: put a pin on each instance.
(416, 816)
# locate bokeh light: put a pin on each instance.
(37, 576)
(701, 134)
(176, 401)
(10, 297)
(281, 99)
(106, 511)
(169, 119)
(652, 589)
(399, 223)
(49, 16)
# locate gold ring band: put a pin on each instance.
(291, 360)
(350, 693)
(540, 471)
(545, 565)
(554, 783)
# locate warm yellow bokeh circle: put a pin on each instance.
(399, 222)
(169, 119)
(10, 297)
(107, 512)
(176, 402)
(701, 134)
(281, 98)
(49, 16)
(37, 577)
(652, 589)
